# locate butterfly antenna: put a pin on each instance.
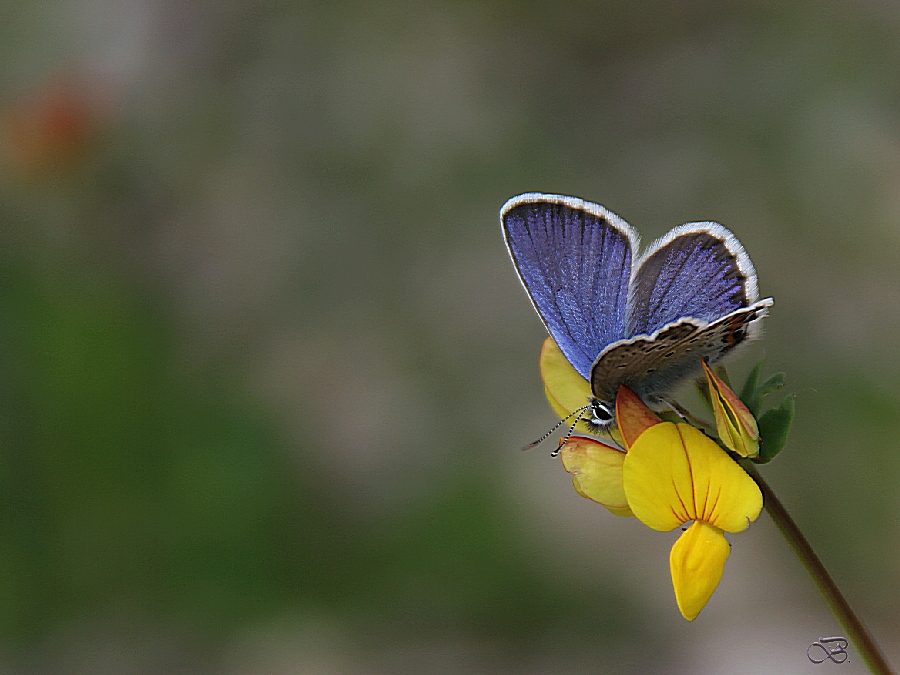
(568, 435)
(557, 426)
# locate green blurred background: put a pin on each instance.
(265, 366)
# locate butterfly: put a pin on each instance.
(619, 317)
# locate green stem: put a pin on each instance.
(856, 630)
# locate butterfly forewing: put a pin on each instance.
(698, 270)
(574, 259)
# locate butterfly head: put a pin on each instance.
(602, 415)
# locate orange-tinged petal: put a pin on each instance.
(632, 416)
(596, 472)
(734, 422)
(673, 473)
(697, 562)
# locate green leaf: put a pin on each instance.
(774, 383)
(753, 393)
(750, 393)
(773, 430)
(752, 383)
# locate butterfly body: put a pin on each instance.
(619, 318)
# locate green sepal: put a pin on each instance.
(774, 426)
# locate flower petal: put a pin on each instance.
(673, 473)
(565, 388)
(633, 417)
(697, 562)
(734, 422)
(557, 408)
(597, 472)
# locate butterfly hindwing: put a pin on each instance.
(652, 364)
(575, 260)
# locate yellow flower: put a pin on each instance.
(669, 475)
(674, 474)
(597, 473)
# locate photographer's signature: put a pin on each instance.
(830, 648)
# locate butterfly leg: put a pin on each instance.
(684, 414)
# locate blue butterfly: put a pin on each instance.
(622, 318)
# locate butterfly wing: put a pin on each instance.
(574, 259)
(693, 294)
(652, 364)
(698, 270)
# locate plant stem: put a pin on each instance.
(856, 631)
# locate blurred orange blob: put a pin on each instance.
(52, 130)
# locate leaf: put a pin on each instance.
(749, 394)
(752, 383)
(774, 427)
(753, 393)
(773, 383)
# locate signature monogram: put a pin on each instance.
(832, 648)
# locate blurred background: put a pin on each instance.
(265, 366)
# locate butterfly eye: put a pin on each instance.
(601, 412)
